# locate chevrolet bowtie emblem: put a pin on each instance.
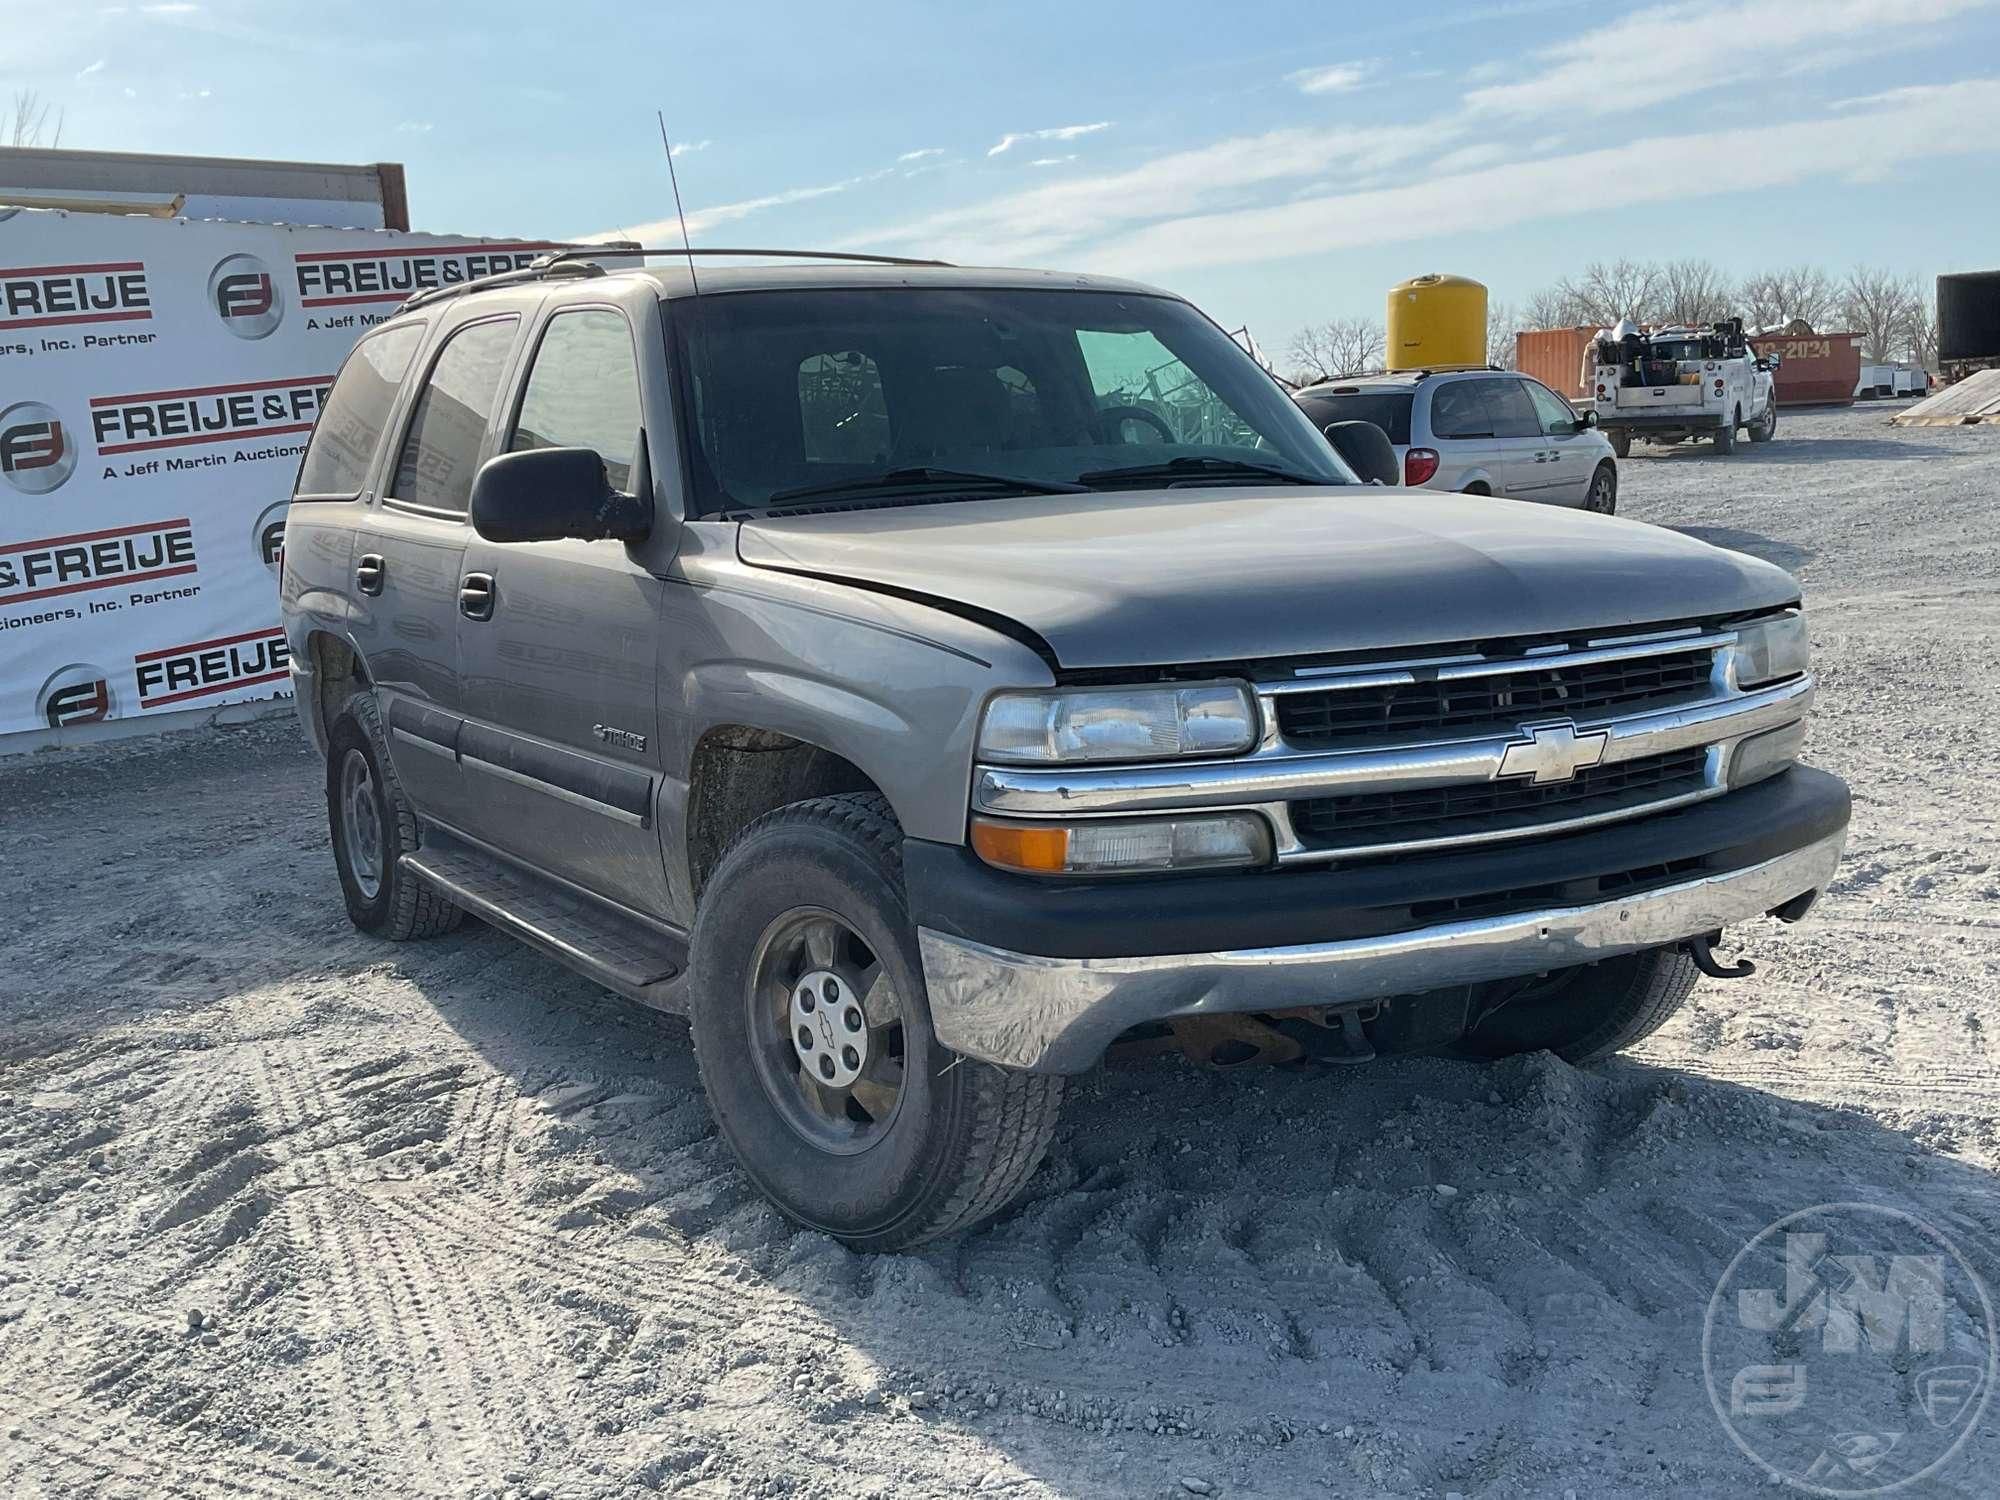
(1552, 752)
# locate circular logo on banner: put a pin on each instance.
(37, 452)
(78, 694)
(245, 295)
(268, 536)
(1850, 1350)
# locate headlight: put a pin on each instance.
(1771, 649)
(1124, 846)
(1063, 725)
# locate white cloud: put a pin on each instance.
(666, 231)
(96, 67)
(1336, 78)
(1469, 158)
(921, 155)
(1052, 161)
(688, 148)
(1053, 133)
(1668, 52)
(1962, 117)
(169, 10)
(1048, 219)
(413, 127)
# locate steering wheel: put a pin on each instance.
(1113, 417)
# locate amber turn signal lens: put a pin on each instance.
(1014, 846)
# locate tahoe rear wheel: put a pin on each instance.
(373, 827)
(812, 1030)
(1585, 1014)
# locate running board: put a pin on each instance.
(622, 954)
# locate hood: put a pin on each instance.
(1184, 576)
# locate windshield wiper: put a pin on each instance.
(926, 477)
(1197, 466)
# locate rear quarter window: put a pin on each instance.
(1388, 410)
(350, 426)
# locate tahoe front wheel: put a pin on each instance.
(812, 1031)
(1587, 1013)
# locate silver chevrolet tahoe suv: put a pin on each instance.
(923, 678)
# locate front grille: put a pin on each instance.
(1494, 807)
(1336, 716)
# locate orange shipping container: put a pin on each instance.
(1554, 356)
(1814, 368)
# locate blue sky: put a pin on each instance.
(1278, 163)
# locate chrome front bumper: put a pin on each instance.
(1057, 1015)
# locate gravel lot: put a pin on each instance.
(454, 1222)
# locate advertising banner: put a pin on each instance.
(158, 378)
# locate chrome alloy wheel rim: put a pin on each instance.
(361, 823)
(826, 1030)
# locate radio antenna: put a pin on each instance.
(679, 212)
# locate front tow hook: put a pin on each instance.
(1701, 949)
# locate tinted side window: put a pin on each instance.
(1459, 410)
(1558, 420)
(337, 457)
(583, 392)
(441, 449)
(1513, 413)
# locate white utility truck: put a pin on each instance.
(1677, 383)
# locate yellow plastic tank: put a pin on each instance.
(1437, 323)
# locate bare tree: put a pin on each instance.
(1553, 307)
(1692, 292)
(1344, 346)
(1877, 304)
(1789, 294)
(26, 121)
(1623, 289)
(1501, 326)
(1923, 324)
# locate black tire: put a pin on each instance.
(963, 1137)
(1621, 441)
(1766, 427)
(1725, 438)
(1585, 1014)
(1602, 496)
(401, 905)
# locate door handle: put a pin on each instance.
(475, 596)
(369, 573)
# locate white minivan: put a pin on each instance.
(1482, 432)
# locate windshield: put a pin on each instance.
(849, 396)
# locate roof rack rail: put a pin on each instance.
(622, 247)
(581, 260)
(535, 270)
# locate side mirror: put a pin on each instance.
(1367, 450)
(548, 494)
(1588, 418)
